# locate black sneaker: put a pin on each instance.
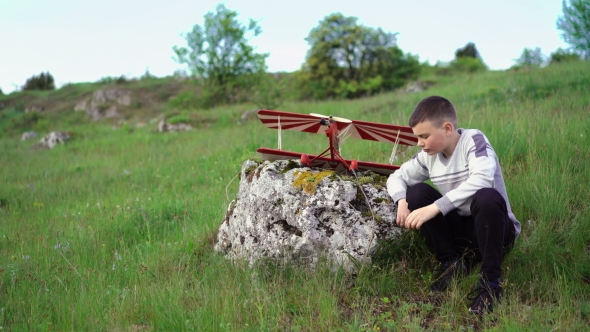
(483, 297)
(446, 273)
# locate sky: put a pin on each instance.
(84, 41)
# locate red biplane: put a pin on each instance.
(337, 130)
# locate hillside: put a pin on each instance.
(114, 230)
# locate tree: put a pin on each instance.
(219, 55)
(468, 59)
(468, 51)
(349, 60)
(575, 25)
(43, 81)
(531, 58)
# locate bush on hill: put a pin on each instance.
(561, 56)
(43, 81)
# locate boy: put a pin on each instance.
(470, 220)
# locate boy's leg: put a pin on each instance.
(447, 236)
(494, 236)
(494, 231)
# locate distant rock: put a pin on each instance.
(163, 126)
(417, 86)
(285, 212)
(28, 134)
(248, 115)
(51, 140)
(34, 108)
(104, 103)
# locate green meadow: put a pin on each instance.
(114, 231)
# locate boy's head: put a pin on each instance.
(435, 109)
(434, 122)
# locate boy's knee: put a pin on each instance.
(487, 199)
(421, 195)
(417, 191)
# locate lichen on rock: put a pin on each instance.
(308, 180)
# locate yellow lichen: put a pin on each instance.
(308, 181)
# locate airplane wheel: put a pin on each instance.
(305, 161)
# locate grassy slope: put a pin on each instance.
(114, 230)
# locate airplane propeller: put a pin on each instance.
(335, 118)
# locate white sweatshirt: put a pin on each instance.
(473, 165)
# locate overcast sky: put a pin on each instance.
(83, 41)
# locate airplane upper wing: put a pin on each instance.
(359, 129)
(382, 132)
(295, 121)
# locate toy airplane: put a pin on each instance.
(337, 130)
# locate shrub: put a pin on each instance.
(179, 118)
(269, 93)
(186, 100)
(468, 65)
(561, 55)
(43, 81)
(111, 79)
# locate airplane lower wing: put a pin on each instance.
(325, 162)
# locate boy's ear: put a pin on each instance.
(448, 127)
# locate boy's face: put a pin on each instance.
(432, 139)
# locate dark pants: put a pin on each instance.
(484, 236)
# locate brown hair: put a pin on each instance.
(436, 109)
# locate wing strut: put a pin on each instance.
(279, 129)
(394, 151)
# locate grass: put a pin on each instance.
(114, 231)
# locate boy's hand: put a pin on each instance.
(420, 216)
(402, 212)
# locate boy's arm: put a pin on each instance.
(411, 172)
(482, 163)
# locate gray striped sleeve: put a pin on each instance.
(480, 145)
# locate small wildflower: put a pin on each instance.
(62, 246)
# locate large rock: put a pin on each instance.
(163, 126)
(285, 212)
(51, 140)
(28, 134)
(104, 103)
